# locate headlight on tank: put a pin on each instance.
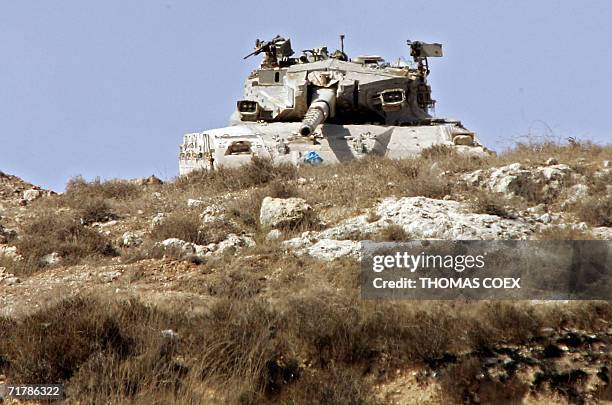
(249, 110)
(392, 99)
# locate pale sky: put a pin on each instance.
(108, 88)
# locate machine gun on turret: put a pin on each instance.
(277, 50)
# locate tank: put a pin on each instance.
(323, 107)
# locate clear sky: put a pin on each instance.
(107, 88)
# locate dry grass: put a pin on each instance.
(63, 234)
(596, 211)
(188, 226)
(563, 233)
(78, 189)
(95, 209)
(538, 151)
(393, 233)
(258, 172)
(465, 383)
(317, 347)
(483, 202)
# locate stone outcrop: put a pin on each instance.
(230, 244)
(518, 180)
(279, 212)
(419, 217)
(132, 239)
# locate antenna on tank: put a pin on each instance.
(342, 43)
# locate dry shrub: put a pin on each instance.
(490, 203)
(246, 210)
(360, 182)
(447, 159)
(342, 329)
(429, 185)
(6, 326)
(95, 209)
(588, 315)
(108, 352)
(599, 182)
(541, 150)
(562, 233)
(502, 323)
(393, 233)
(257, 172)
(18, 267)
(51, 345)
(78, 188)
(281, 189)
(596, 211)
(331, 327)
(188, 226)
(335, 386)
(247, 349)
(438, 152)
(244, 345)
(465, 383)
(62, 234)
(236, 285)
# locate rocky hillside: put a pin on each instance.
(242, 285)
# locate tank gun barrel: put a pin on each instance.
(322, 105)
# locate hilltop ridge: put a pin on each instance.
(242, 283)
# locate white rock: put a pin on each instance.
(12, 281)
(6, 234)
(539, 209)
(552, 161)
(234, 241)
(193, 203)
(508, 179)
(169, 334)
(421, 217)
(515, 179)
(434, 169)
(132, 238)
(110, 276)
(10, 252)
(603, 173)
(555, 172)
(51, 259)
(158, 219)
(581, 226)
(545, 219)
(463, 140)
(329, 249)
(212, 213)
(606, 163)
(274, 234)
(174, 243)
(105, 224)
(576, 193)
(277, 212)
(32, 194)
(602, 232)
(301, 181)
